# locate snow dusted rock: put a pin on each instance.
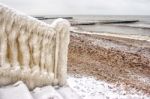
(47, 92)
(17, 91)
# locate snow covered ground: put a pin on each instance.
(90, 88)
(86, 87)
(19, 90)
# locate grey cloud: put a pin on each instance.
(121, 7)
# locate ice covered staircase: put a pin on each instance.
(32, 51)
(20, 91)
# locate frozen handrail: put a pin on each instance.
(31, 50)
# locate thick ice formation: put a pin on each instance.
(31, 50)
(17, 91)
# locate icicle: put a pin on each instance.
(62, 27)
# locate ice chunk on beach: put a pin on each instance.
(17, 91)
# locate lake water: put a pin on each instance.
(139, 28)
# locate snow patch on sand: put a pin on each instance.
(90, 88)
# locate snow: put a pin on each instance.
(19, 90)
(68, 93)
(79, 87)
(90, 88)
(47, 92)
(16, 91)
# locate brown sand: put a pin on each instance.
(116, 60)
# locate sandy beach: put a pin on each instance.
(111, 59)
(121, 59)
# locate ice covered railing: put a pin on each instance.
(31, 50)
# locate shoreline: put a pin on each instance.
(117, 58)
(113, 63)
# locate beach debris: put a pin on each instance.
(74, 23)
(46, 18)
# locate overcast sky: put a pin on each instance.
(81, 7)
